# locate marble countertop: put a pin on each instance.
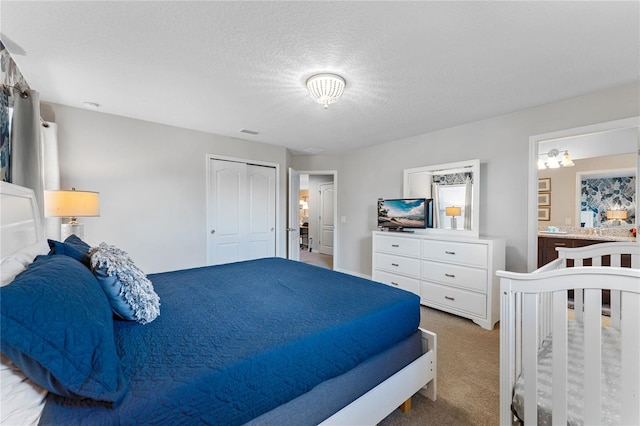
(573, 236)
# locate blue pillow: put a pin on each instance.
(57, 327)
(128, 289)
(73, 247)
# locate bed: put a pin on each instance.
(572, 366)
(268, 341)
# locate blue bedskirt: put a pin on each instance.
(235, 341)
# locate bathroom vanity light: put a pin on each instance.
(553, 161)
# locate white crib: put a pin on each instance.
(567, 382)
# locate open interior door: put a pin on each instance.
(293, 228)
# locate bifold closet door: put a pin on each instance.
(242, 211)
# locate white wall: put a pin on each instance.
(152, 177)
(152, 182)
(501, 144)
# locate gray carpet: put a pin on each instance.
(468, 375)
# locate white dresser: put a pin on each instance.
(453, 275)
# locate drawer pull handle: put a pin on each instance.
(394, 283)
(395, 245)
(450, 252)
(394, 264)
(450, 298)
(449, 275)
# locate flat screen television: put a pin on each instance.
(405, 213)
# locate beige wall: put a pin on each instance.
(563, 185)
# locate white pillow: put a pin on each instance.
(26, 255)
(14, 264)
(22, 400)
(9, 268)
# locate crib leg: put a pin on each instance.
(406, 406)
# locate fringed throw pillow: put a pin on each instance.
(130, 292)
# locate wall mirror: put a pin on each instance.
(455, 190)
(606, 198)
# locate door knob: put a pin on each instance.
(213, 231)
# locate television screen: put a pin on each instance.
(405, 213)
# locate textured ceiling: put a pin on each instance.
(410, 67)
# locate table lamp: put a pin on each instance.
(71, 204)
(453, 212)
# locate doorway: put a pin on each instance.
(584, 143)
(316, 202)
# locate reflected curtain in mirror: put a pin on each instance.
(449, 185)
(468, 197)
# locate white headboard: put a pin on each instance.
(20, 223)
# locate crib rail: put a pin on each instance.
(597, 255)
(535, 305)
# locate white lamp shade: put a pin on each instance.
(567, 161)
(71, 203)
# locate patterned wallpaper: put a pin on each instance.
(602, 194)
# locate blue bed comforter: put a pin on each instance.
(235, 341)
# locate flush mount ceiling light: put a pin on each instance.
(554, 161)
(325, 89)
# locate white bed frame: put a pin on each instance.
(21, 227)
(534, 306)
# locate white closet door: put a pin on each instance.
(261, 235)
(228, 211)
(293, 231)
(242, 212)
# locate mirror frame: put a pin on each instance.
(421, 176)
(532, 196)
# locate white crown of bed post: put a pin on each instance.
(20, 223)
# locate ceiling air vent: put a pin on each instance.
(249, 132)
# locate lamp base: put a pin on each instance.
(67, 229)
(454, 223)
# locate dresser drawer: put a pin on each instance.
(405, 283)
(454, 298)
(455, 252)
(398, 245)
(398, 264)
(455, 275)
